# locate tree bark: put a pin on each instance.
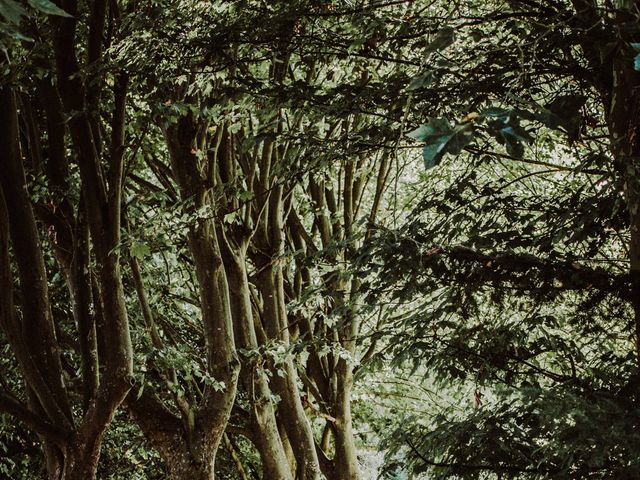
(623, 118)
(270, 282)
(186, 450)
(254, 378)
(189, 447)
(346, 458)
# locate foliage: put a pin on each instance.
(514, 266)
(485, 306)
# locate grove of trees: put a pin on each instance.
(305, 240)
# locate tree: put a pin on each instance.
(255, 164)
(71, 437)
(518, 259)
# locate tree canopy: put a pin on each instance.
(319, 240)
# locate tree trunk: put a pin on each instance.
(193, 460)
(346, 458)
(188, 451)
(190, 447)
(285, 379)
(624, 129)
(81, 462)
(254, 378)
(77, 459)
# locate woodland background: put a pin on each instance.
(307, 239)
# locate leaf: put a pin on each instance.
(495, 112)
(10, 30)
(419, 133)
(11, 11)
(420, 81)
(432, 153)
(563, 112)
(477, 34)
(441, 138)
(470, 117)
(513, 143)
(140, 390)
(434, 126)
(245, 196)
(443, 39)
(232, 217)
(505, 127)
(517, 133)
(140, 250)
(48, 7)
(636, 63)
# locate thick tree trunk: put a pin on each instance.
(81, 460)
(624, 130)
(76, 459)
(193, 460)
(188, 451)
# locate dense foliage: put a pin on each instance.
(341, 240)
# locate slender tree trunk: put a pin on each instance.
(346, 458)
(36, 332)
(290, 410)
(254, 378)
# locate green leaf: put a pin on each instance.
(420, 81)
(433, 152)
(636, 63)
(516, 133)
(443, 39)
(495, 112)
(48, 7)
(433, 127)
(12, 11)
(441, 138)
(564, 112)
(504, 126)
(140, 250)
(419, 133)
(513, 142)
(477, 34)
(11, 30)
(232, 217)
